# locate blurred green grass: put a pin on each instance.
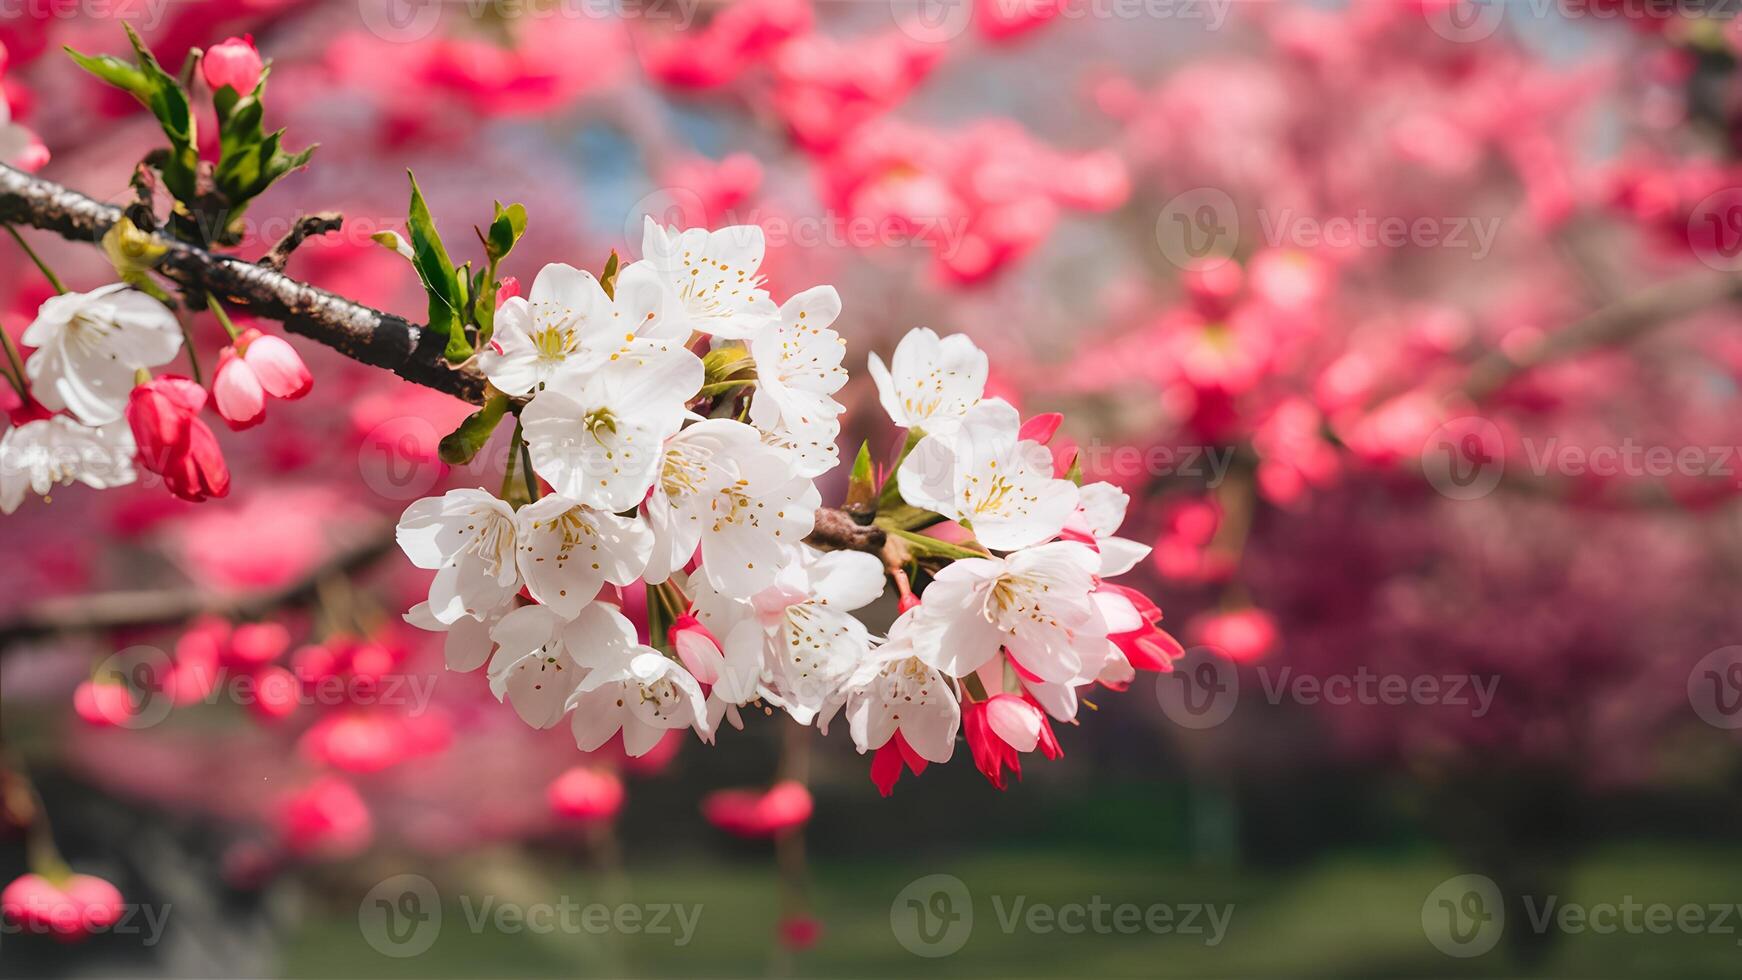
(1353, 914)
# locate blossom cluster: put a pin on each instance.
(676, 419)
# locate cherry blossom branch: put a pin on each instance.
(359, 332)
(167, 607)
(1618, 323)
(354, 330)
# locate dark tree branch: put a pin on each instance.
(1618, 323)
(307, 226)
(167, 607)
(363, 334)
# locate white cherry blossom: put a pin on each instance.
(798, 364)
(1036, 603)
(930, 383)
(628, 687)
(721, 488)
(812, 449)
(41, 455)
(714, 274)
(468, 645)
(1100, 511)
(893, 690)
(795, 643)
(88, 346)
(468, 537)
(989, 479)
(598, 440)
(19, 146)
(567, 322)
(535, 669)
(568, 551)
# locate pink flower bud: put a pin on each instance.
(1041, 427)
(236, 392)
(69, 910)
(326, 819)
(748, 813)
(173, 442)
(586, 794)
(697, 648)
(800, 932)
(258, 644)
(1015, 721)
(275, 691)
(234, 63)
(277, 364)
(507, 288)
(1243, 634)
(102, 704)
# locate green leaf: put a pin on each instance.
(929, 547)
(861, 490)
(113, 70)
(440, 279)
(908, 517)
(463, 444)
(505, 229)
(890, 498)
(162, 93)
(609, 278)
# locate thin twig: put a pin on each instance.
(167, 607)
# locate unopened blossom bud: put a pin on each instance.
(102, 704)
(507, 288)
(586, 794)
(799, 932)
(257, 365)
(277, 364)
(325, 819)
(1014, 720)
(1243, 634)
(1041, 428)
(236, 392)
(70, 909)
(275, 694)
(234, 63)
(748, 813)
(173, 442)
(697, 648)
(255, 645)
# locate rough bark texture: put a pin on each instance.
(359, 332)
